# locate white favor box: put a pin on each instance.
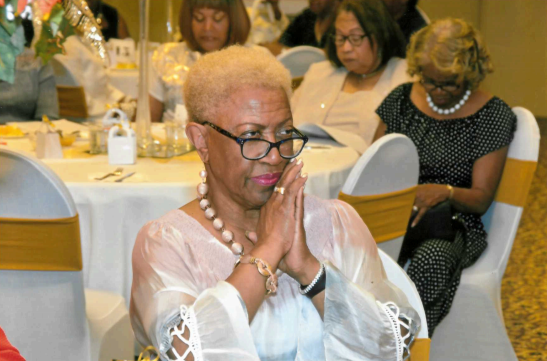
(48, 145)
(122, 146)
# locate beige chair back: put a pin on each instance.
(72, 103)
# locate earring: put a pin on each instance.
(203, 187)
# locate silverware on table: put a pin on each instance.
(124, 177)
(117, 171)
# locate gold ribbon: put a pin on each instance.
(149, 350)
(40, 244)
(419, 350)
(515, 182)
(386, 215)
(145, 354)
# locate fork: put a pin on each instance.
(124, 177)
(117, 171)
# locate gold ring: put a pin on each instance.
(280, 190)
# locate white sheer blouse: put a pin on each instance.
(179, 270)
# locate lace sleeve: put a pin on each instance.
(364, 311)
(167, 304)
(176, 327)
(400, 320)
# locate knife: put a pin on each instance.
(124, 177)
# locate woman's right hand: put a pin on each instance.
(276, 226)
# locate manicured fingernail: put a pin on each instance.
(299, 162)
(292, 160)
(304, 175)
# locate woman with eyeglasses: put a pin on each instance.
(364, 49)
(462, 134)
(253, 269)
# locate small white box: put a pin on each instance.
(122, 145)
(48, 145)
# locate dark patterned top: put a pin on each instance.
(448, 149)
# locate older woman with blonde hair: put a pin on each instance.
(307, 284)
(206, 25)
(462, 134)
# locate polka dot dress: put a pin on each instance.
(447, 150)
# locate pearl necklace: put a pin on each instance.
(210, 213)
(364, 76)
(438, 110)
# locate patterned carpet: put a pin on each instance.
(524, 286)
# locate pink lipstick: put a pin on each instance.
(267, 180)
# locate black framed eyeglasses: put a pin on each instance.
(430, 85)
(255, 148)
(355, 40)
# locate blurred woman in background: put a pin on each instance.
(32, 93)
(364, 52)
(206, 26)
(462, 134)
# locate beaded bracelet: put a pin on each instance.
(317, 285)
(264, 269)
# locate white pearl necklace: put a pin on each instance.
(438, 110)
(210, 213)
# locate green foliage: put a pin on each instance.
(53, 35)
(12, 42)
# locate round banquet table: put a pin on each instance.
(111, 214)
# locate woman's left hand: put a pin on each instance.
(428, 196)
(299, 263)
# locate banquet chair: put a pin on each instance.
(298, 59)
(474, 329)
(419, 351)
(72, 103)
(44, 307)
(382, 187)
(70, 94)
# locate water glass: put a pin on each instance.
(175, 136)
(98, 139)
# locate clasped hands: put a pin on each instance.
(280, 237)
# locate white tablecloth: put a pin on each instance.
(111, 213)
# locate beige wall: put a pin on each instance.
(516, 34)
(129, 9)
(514, 30)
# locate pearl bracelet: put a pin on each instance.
(304, 290)
(264, 269)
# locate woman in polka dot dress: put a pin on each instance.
(462, 134)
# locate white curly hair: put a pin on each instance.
(217, 75)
